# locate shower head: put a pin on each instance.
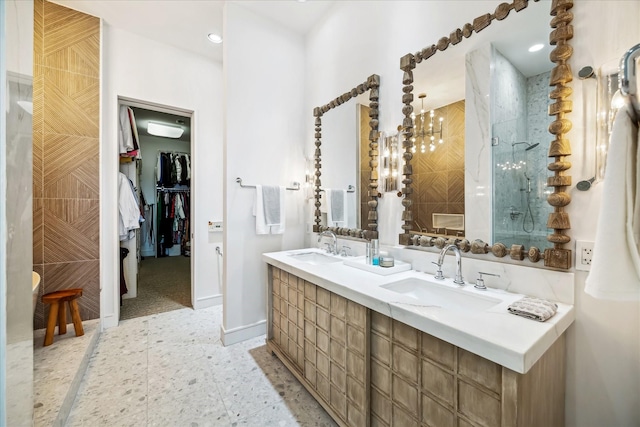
(529, 146)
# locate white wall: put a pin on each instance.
(141, 69)
(264, 132)
(361, 38)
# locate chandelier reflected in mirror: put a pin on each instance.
(427, 128)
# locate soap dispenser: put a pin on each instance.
(375, 252)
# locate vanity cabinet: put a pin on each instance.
(366, 368)
(325, 344)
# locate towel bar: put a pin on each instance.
(350, 189)
(628, 80)
(296, 185)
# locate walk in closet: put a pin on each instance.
(155, 159)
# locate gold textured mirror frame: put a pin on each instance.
(372, 84)
(558, 256)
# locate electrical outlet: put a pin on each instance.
(584, 255)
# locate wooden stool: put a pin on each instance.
(58, 313)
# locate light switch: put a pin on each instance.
(215, 226)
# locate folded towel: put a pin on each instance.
(615, 268)
(270, 215)
(271, 204)
(533, 308)
(338, 205)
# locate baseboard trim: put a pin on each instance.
(108, 321)
(242, 333)
(206, 302)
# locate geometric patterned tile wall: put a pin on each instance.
(438, 176)
(66, 120)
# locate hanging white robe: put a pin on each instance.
(615, 267)
(128, 210)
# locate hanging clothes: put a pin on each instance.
(128, 209)
(123, 283)
(173, 169)
(173, 179)
(125, 135)
(128, 138)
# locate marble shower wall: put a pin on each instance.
(16, 316)
(519, 115)
(66, 205)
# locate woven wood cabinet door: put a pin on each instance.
(336, 354)
(288, 316)
(419, 380)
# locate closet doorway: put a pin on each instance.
(155, 144)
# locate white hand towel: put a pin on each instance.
(324, 202)
(279, 228)
(338, 207)
(327, 206)
(258, 212)
(262, 226)
(615, 267)
(533, 308)
(271, 205)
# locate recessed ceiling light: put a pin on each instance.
(214, 38)
(536, 47)
(166, 131)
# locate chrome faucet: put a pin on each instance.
(458, 280)
(333, 247)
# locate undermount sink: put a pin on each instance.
(315, 258)
(432, 294)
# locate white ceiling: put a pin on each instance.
(186, 23)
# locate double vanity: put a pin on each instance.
(405, 349)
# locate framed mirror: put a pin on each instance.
(346, 140)
(502, 126)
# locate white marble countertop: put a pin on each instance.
(495, 334)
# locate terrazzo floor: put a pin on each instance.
(170, 369)
(58, 370)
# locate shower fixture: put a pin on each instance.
(528, 212)
(529, 145)
(513, 165)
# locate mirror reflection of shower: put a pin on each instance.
(528, 220)
(519, 145)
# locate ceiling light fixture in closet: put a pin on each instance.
(166, 131)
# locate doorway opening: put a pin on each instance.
(155, 144)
